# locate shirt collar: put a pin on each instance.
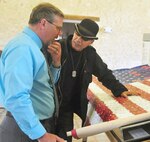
(34, 36)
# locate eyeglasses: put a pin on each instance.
(84, 38)
(59, 28)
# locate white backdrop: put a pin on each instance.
(128, 19)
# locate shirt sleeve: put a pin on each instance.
(55, 73)
(18, 81)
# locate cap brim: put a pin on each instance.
(77, 27)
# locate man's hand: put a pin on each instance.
(47, 137)
(125, 94)
(55, 50)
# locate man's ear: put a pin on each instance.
(43, 23)
(92, 41)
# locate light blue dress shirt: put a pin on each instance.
(24, 87)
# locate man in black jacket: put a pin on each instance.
(79, 62)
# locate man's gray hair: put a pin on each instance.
(44, 10)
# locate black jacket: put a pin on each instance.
(93, 65)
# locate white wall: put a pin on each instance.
(129, 19)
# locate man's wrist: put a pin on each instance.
(56, 65)
(39, 139)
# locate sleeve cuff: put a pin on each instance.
(36, 132)
(55, 72)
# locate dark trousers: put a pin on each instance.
(10, 131)
(64, 124)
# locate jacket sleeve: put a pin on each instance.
(106, 76)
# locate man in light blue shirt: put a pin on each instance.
(25, 91)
